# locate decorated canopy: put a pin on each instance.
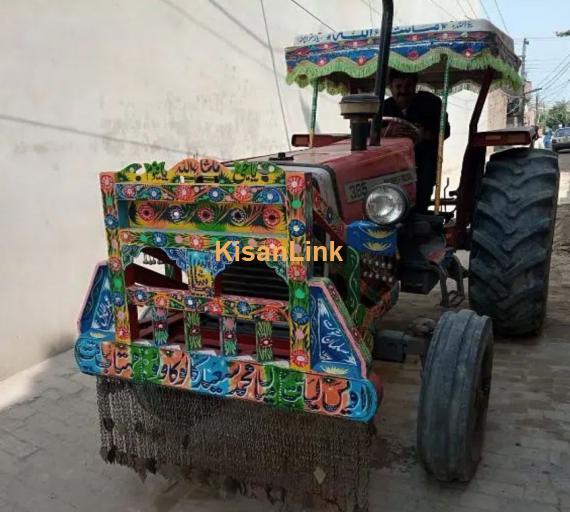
(343, 58)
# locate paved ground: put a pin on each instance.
(49, 432)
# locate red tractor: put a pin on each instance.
(215, 361)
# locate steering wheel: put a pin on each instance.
(397, 127)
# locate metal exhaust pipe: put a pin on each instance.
(382, 68)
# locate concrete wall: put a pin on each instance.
(94, 86)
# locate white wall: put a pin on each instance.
(90, 86)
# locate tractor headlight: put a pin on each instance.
(386, 204)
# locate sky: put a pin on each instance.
(547, 55)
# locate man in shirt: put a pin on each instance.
(423, 109)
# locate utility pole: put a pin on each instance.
(523, 74)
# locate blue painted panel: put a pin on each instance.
(331, 351)
(365, 236)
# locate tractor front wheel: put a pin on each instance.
(456, 383)
(512, 239)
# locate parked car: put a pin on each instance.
(561, 139)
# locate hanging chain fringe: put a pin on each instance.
(291, 457)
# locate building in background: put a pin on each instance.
(90, 87)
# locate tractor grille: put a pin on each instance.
(256, 279)
(253, 279)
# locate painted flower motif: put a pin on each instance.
(161, 301)
(174, 213)
(322, 61)
(197, 242)
(114, 264)
(299, 334)
(361, 60)
(111, 221)
(122, 333)
(242, 194)
(107, 182)
(159, 239)
(228, 335)
(215, 307)
(413, 55)
(194, 330)
(129, 191)
(265, 341)
(243, 308)
(190, 302)
(160, 326)
(121, 315)
(206, 215)
(296, 228)
(299, 358)
(272, 243)
(216, 194)
(179, 239)
(299, 315)
(270, 314)
(272, 216)
(117, 299)
(297, 273)
(295, 185)
(238, 216)
(269, 195)
(146, 212)
(468, 52)
(141, 296)
(126, 237)
(184, 193)
(154, 193)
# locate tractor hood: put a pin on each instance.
(345, 177)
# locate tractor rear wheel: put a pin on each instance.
(456, 383)
(512, 239)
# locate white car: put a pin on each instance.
(561, 139)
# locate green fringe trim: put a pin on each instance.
(306, 72)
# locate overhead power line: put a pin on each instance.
(501, 14)
(559, 75)
(472, 9)
(313, 15)
(463, 9)
(443, 9)
(555, 70)
(485, 10)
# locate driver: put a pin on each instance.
(423, 109)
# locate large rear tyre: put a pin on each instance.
(512, 239)
(454, 397)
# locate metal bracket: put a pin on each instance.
(455, 271)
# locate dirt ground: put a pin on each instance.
(49, 439)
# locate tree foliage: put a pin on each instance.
(557, 115)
